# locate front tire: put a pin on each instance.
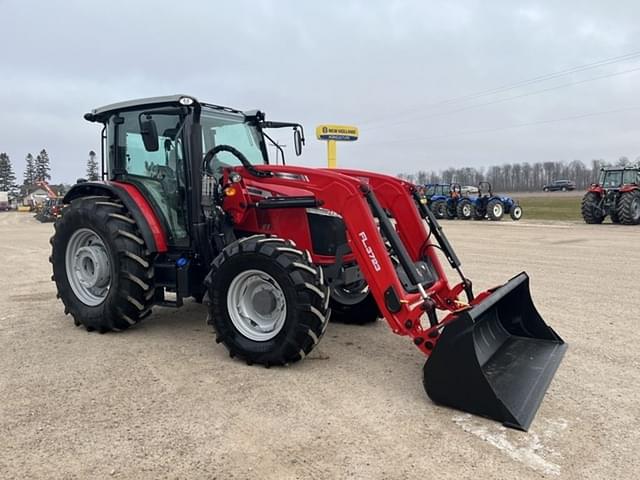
(495, 210)
(590, 208)
(268, 303)
(353, 305)
(628, 208)
(614, 216)
(516, 212)
(101, 265)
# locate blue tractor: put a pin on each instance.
(443, 199)
(493, 207)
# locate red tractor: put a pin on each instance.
(616, 194)
(190, 205)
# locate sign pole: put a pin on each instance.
(332, 134)
(331, 154)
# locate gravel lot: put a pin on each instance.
(163, 401)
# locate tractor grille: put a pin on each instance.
(327, 231)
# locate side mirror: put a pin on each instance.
(149, 133)
(298, 141)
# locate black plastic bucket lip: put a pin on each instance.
(524, 356)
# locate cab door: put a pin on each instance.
(157, 168)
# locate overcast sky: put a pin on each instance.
(385, 66)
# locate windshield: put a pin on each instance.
(225, 128)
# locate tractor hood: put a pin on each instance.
(260, 189)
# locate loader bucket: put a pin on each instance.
(497, 358)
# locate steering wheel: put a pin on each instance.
(206, 162)
(236, 153)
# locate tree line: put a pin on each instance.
(517, 177)
(37, 169)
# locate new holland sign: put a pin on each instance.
(341, 133)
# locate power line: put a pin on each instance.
(501, 100)
(507, 127)
(511, 86)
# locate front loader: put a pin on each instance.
(189, 206)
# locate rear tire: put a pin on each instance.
(101, 266)
(439, 209)
(465, 209)
(628, 208)
(591, 212)
(495, 210)
(283, 325)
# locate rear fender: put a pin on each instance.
(628, 188)
(147, 221)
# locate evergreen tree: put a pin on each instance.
(7, 175)
(29, 170)
(42, 166)
(92, 167)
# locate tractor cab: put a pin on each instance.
(158, 145)
(615, 178)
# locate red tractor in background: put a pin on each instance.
(190, 205)
(617, 194)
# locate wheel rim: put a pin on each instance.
(517, 212)
(466, 210)
(88, 267)
(497, 210)
(256, 305)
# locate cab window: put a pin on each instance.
(160, 173)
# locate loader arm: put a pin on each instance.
(401, 198)
(356, 199)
